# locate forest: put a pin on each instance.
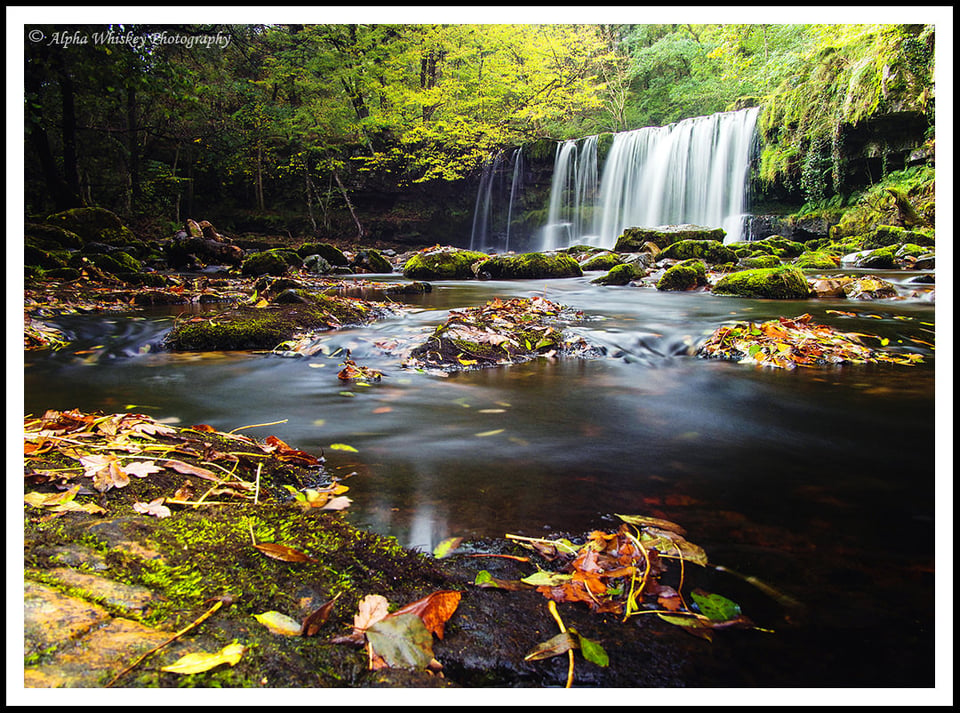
(304, 128)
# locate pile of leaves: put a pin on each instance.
(621, 573)
(72, 453)
(39, 335)
(787, 343)
(498, 333)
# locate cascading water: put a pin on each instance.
(693, 171)
(491, 224)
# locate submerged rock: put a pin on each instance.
(779, 283)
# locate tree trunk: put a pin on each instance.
(346, 198)
(71, 171)
(133, 148)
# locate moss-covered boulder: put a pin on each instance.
(46, 259)
(869, 287)
(879, 259)
(601, 261)
(622, 274)
(51, 237)
(774, 245)
(330, 253)
(779, 283)
(369, 260)
(246, 328)
(817, 260)
(760, 261)
(711, 251)
(530, 266)
(632, 239)
(442, 263)
(270, 262)
(884, 235)
(97, 224)
(685, 275)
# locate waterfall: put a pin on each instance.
(694, 171)
(493, 211)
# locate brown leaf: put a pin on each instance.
(434, 609)
(312, 623)
(188, 469)
(283, 553)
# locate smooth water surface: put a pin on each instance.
(820, 482)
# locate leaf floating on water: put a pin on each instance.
(283, 553)
(200, 662)
(339, 503)
(279, 623)
(343, 447)
(643, 521)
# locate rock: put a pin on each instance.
(830, 286)
(270, 262)
(530, 266)
(879, 259)
(869, 288)
(94, 224)
(633, 239)
(780, 283)
(442, 263)
(711, 251)
(371, 261)
(925, 262)
(181, 252)
(816, 260)
(601, 261)
(328, 252)
(193, 229)
(760, 261)
(317, 264)
(683, 276)
(884, 235)
(51, 237)
(620, 275)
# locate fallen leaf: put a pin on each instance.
(313, 621)
(154, 507)
(283, 553)
(141, 469)
(343, 447)
(402, 640)
(434, 609)
(559, 644)
(279, 623)
(372, 609)
(446, 547)
(200, 662)
(339, 503)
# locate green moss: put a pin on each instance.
(885, 235)
(620, 275)
(817, 260)
(632, 239)
(51, 237)
(270, 262)
(328, 252)
(786, 282)
(531, 266)
(683, 276)
(94, 224)
(601, 261)
(712, 251)
(761, 260)
(372, 261)
(443, 264)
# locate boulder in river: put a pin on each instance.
(778, 283)
(442, 263)
(530, 266)
(633, 239)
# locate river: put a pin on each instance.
(819, 482)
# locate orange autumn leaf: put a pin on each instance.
(434, 609)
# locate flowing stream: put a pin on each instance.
(819, 482)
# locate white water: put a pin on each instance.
(491, 226)
(695, 171)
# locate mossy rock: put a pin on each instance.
(51, 237)
(779, 246)
(879, 259)
(530, 266)
(761, 260)
(116, 263)
(621, 275)
(780, 283)
(443, 264)
(816, 260)
(94, 224)
(38, 257)
(711, 251)
(270, 262)
(62, 274)
(910, 250)
(884, 235)
(317, 264)
(147, 279)
(685, 275)
(330, 253)
(632, 239)
(248, 328)
(601, 261)
(869, 287)
(369, 260)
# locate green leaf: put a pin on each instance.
(403, 641)
(592, 651)
(547, 579)
(714, 606)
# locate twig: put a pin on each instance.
(552, 606)
(256, 492)
(257, 425)
(221, 601)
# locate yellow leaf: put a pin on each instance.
(279, 623)
(200, 662)
(343, 447)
